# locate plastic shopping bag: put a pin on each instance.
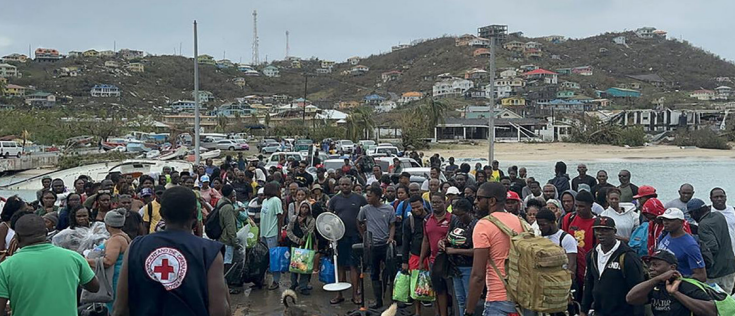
(326, 273)
(421, 289)
(401, 287)
(248, 235)
(302, 259)
(279, 259)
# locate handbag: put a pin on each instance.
(326, 271)
(302, 259)
(279, 259)
(104, 276)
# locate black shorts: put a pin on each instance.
(439, 283)
(345, 256)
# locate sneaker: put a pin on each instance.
(426, 304)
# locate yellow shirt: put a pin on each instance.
(426, 196)
(156, 212)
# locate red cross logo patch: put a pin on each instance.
(166, 266)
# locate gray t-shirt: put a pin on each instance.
(677, 203)
(378, 221)
(347, 208)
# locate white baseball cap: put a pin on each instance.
(453, 190)
(261, 191)
(672, 213)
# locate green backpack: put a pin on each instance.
(725, 303)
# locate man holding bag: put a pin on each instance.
(378, 219)
(300, 233)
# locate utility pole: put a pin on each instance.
(496, 33)
(306, 82)
(255, 60)
(197, 154)
(287, 48)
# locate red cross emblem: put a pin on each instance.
(166, 266)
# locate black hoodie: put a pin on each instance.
(606, 294)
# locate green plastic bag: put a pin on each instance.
(248, 235)
(401, 287)
(302, 259)
(421, 289)
(725, 303)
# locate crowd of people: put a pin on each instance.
(169, 239)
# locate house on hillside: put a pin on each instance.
(410, 97)
(324, 70)
(296, 64)
(490, 31)
(479, 42)
(327, 64)
(451, 87)
(234, 109)
(514, 46)
(565, 94)
(135, 67)
(239, 81)
(15, 58)
(41, 99)
(528, 67)
(532, 45)
(502, 91)
(564, 106)
(464, 40)
(67, 72)
(359, 70)
(619, 93)
(204, 96)
(271, 71)
(703, 95)
(583, 71)
(620, 40)
(653, 79)
(475, 74)
(475, 93)
(564, 71)
(509, 73)
(206, 60)
(252, 73)
(532, 53)
(346, 105)
(661, 120)
(373, 99)
(569, 85)
(224, 64)
(478, 112)
(555, 39)
(386, 106)
(8, 71)
(646, 32)
(131, 53)
(660, 34)
(481, 52)
(47, 55)
(548, 77)
(107, 53)
(723, 92)
(90, 53)
(513, 101)
(14, 90)
(244, 67)
(104, 91)
(354, 61)
(112, 64)
(390, 75)
(187, 106)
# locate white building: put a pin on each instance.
(183, 106)
(327, 64)
(703, 95)
(354, 61)
(410, 97)
(386, 106)
(620, 40)
(451, 87)
(645, 32)
(271, 71)
(111, 64)
(723, 92)
(204, 96)
(510, 73)
(8, 71)
(105, 90)
(106, 53)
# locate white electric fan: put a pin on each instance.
(331, 227)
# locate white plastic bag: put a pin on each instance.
(80, 239)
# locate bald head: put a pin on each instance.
(414, 189)
(30, 229)
(686, 192)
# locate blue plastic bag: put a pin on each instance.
(326, 271)
(639, 240)
(280, 258)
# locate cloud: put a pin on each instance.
(5, 42)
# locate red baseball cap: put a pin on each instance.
(512, 196)
(645, 191)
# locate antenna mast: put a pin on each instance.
(255, 60)
(287, 47)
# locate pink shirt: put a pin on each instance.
(487, 235)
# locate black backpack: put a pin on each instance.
(212, 226)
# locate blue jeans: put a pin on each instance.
(499, 308)
(462, 287)
(272, 242)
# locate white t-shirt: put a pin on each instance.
(603, 257)
(569, 243)
(729, 213)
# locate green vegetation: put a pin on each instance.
(704, 138)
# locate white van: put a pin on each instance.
(10, 149)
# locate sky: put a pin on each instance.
(338, 29)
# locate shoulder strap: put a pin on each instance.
(505, 283)
(500, 226)
(150, 212)
(571, 218)
(621, 260)
(561, 238)
(410, 223)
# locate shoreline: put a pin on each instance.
(542, 152)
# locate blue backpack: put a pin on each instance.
(639, 240)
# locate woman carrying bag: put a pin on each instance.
(300, 236)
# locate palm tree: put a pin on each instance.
(267, 122)
(434, 111)
(360, 123)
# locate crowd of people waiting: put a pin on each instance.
(628, 252)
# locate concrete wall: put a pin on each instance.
(27, 162)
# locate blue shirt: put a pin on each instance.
(402, 213)
(686, 250)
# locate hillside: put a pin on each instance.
(170, 78)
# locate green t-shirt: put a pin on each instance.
(269, 217)
(36, 288)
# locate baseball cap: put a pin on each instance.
(146, 192)
(204, 178)
(316, 187)
(695, 204)
(261, 191)
(663, 255)
(604, 222)
(453, 190)
(512, 196)
(672, 213)
(645, 191)
(583, 187)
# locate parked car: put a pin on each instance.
(232, 144)
(276, 157)
(271, 148)
(386, 162)
(422, 173)
(10, 148)
(345, 145)
(390, 151)
(265, 143)
(336, 164)
(209, 143)
(303, 144)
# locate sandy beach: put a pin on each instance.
(572, 151)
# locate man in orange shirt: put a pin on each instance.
(491, 244)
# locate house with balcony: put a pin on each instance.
(204, 96)
(8, 71)
(532, 45)
(392, 75)
(479, 42)
(532, 53)
(75, 54)
(359, 70)
(410, 96)
(583, 70)
(464, 40)
(513, 101)
(224, 64)
(555, 39)
(90, 53)
(528, 67)
(508, 73)
(131, 53)
(514, 46)
(645, 32)
(206, 60)
(564, 71)
(476, 74)
(271, 71)
(373, 99)
(105, 91)
(323, 71)
(244, 67)
(252, 73)
(354, 61)
(106, 53)
(234, 109)
(186, 106)
(565, 94)
(563, 106)
(451, 87)
(478, 112)
(723, 93)
(569, 85)
(346, 105)
(482, 53)
(40, 99)
(541, 74)
(14, 58)
(502, 91)
(620, 40)
(135, 67)
(386, 106)
(47, 55)
(703, 95)
(14, 90)
(328, 64)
